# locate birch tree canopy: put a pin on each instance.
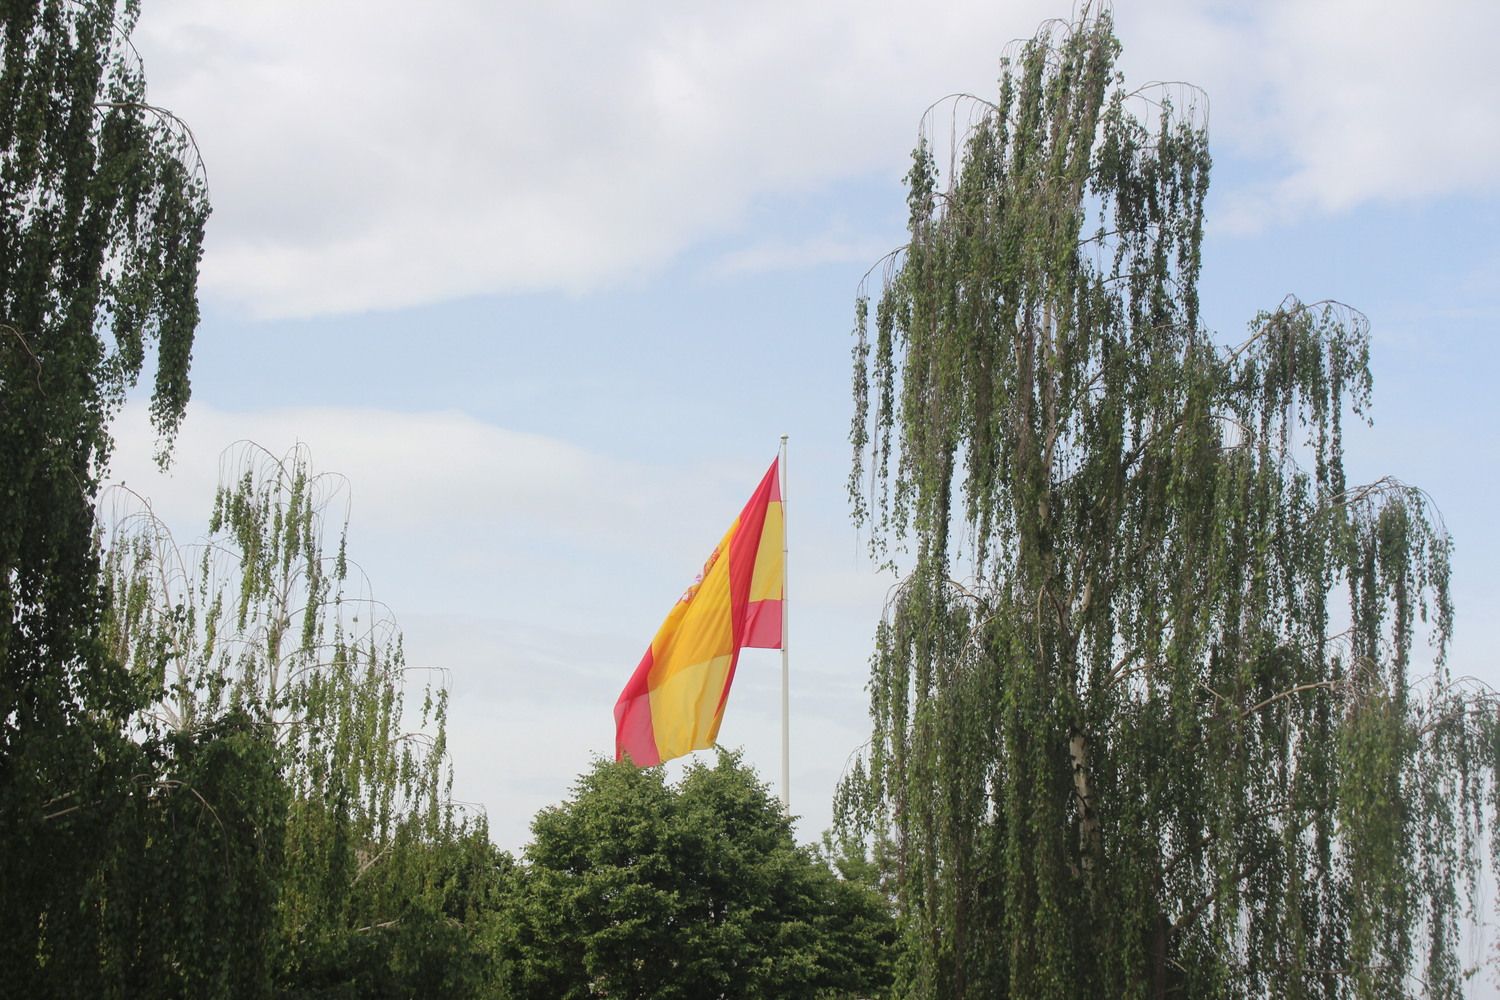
(1160, 708)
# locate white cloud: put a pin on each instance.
(405, 465)
(1338, 103)
(383, 155)
(448, 514)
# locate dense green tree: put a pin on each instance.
(191, 886)
(634, 888)
(176, 894)
(101, 228)
(378, 885)
(1149, 718)
(102, 207)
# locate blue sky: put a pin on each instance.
(548, 282)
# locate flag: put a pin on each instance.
(674, 701)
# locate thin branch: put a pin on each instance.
(21, 339)
(162, 115)
(375, 927)
(367, 865)
(1285, 311)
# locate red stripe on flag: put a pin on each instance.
(633, 732)
(743, 549)
(763, 625)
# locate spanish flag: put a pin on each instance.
(675, 700)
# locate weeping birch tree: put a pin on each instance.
(267, 619)
(1161, 707)
(103, 203)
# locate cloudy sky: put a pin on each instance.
(547, 282)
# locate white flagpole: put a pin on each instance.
(786, 802)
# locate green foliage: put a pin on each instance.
(1164, 738)
(195, 892)
(634, 888)
(178, 896)
(379, 882)
(430, 943)
(101, 226)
